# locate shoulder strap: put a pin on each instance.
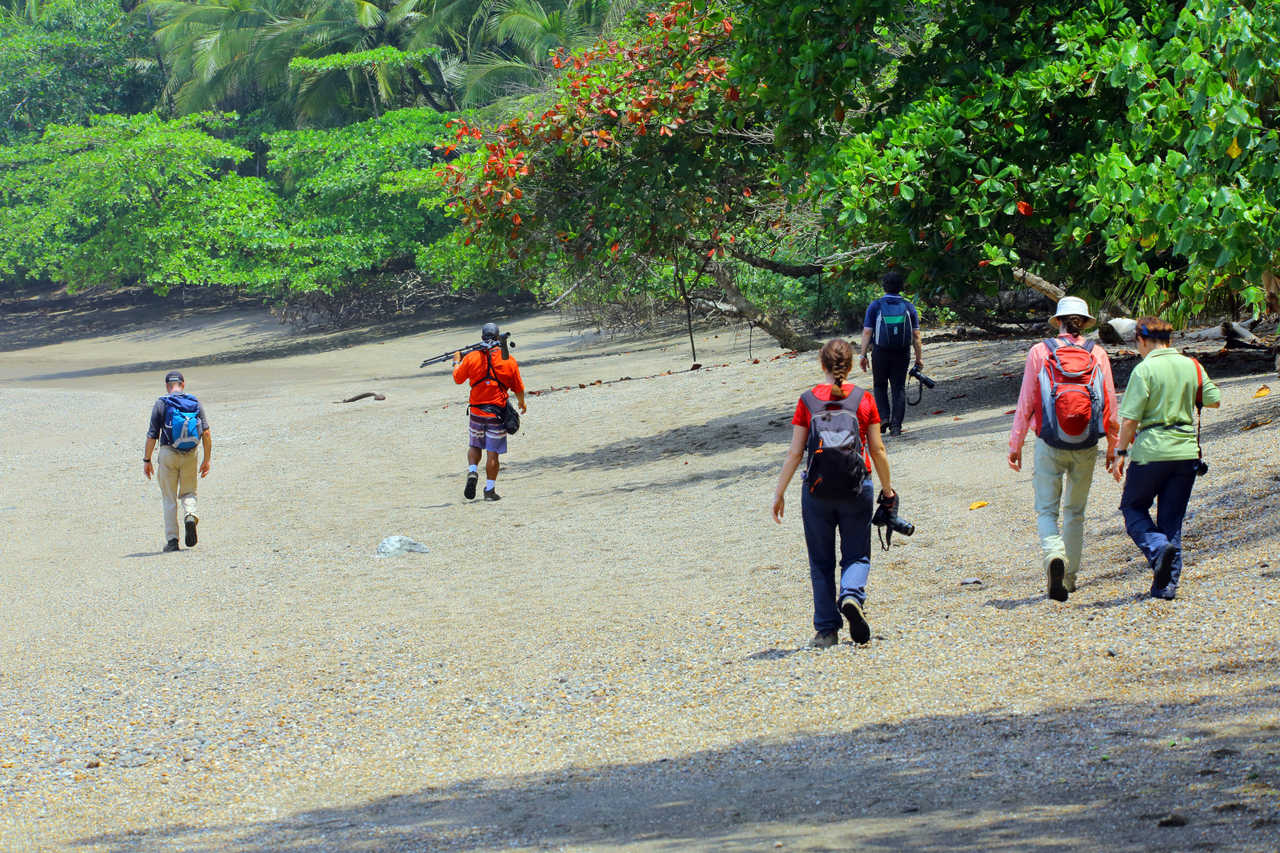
(488, 371)
(1087, 346)
(1199, 384)
(1052, 344)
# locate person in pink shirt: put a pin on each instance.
(1069, 377)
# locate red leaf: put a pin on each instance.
(984, 262)
(1024, 208)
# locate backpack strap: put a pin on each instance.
(1199, 406)
(488, 372)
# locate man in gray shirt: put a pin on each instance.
(178, 424)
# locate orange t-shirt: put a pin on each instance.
(474, 368)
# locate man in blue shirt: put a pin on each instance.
(894, 326)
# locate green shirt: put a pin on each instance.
(1161, 397)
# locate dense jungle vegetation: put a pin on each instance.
(770, 158)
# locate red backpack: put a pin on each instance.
(1071, 396)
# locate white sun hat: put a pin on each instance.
(1072, 306)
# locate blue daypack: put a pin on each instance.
(893, 325)
(182, 418)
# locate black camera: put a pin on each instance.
(886, 516)
(1202, 467)
(924, 380)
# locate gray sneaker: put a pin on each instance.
(824, 640)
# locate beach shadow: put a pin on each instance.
(143, 554)
(1096, 776)
(1119, 601)
(1014, 603)
(753, 428)
(775, 654)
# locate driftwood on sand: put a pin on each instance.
(372, 394)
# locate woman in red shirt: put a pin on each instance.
(850, 515)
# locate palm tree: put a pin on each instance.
(237, 54)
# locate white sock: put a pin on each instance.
(488, 485)
(473, 469)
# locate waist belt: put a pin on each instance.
(1186, 427)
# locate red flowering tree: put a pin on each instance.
(643, 165)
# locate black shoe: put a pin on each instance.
(859, 630)
(1164, 592)
(190, 523)
(895, 430)
(492, 495)
(824, 640)
(171, 545)
(1164, 567)
(470, 491)
(1057, 571)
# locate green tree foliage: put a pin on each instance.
(139, 200)
(66, 60)
(332, 185)
(1087, 140)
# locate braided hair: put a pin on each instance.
(837, 359)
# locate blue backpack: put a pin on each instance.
(182, 418)
(893, 325)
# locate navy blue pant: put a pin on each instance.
(889, 378)
(822, 518)
(1168, 485)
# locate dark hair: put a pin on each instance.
(892, 281)
(837, 359)
(1072, 323)
(1154, 329)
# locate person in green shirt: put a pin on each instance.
(1158, 433)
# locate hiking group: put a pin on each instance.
(1067, 399)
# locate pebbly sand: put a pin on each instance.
(612, 656)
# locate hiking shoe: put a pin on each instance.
(1057, 570)
(469, 491)
(492, 495)
(824, 640)
(1164, 567)
(190, 523)
(171, 545)
(859, 630)
(1167, 593)
(895, 430)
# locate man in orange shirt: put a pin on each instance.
(491, 376)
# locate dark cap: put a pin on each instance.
(173, 376)
(489, 332)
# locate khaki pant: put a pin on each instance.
(1062, 477)
(177, 474)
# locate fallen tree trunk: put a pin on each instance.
(1038, 284)
(775, 326)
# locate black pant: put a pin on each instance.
(889, 369)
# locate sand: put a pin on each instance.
(612, 656)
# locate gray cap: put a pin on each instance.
(489, 332)
(173, 376)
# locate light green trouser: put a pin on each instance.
(1052, 465)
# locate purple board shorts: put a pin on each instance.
(487, 434)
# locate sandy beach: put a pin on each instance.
(612, 656)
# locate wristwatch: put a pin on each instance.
(1122, 453)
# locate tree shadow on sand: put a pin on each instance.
(753, 428)
(1098, 776)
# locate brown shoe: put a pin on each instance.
(859, 630)
(824, 640)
